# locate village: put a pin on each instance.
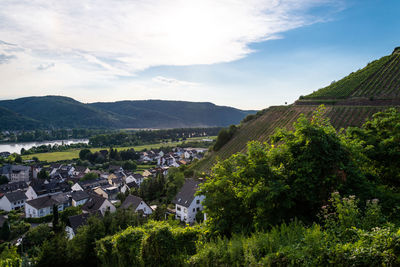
(94, 192)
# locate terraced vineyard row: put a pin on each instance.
(349, 102)
(262, 128)
(384, 83)
(346, 86)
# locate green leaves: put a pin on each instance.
(292, 177)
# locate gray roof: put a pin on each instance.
(131, 201)
(61, 197)
(79, 195)
(132, 184)
(42, 202)
(15, 196)
(93, 183)
(94, 203)
(4, 188)
(137, 176)
(79, 220)
(186, 194)
(41, 188)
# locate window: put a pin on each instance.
(198, 201)
(194, 209)
(198, 209)
(178, 208)
(185, 210)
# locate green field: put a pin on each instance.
(74, 153)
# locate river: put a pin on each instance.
(16, 147)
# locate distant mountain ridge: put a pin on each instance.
(349, 102)
(55, 112)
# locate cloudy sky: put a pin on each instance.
(248, 54)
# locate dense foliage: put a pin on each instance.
(57, 112)
(224, 136)
(146, 137)
(48, 135)
(311, 197)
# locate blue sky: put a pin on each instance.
(247, 54)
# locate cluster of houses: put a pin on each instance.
(179, 156)
(64, 188)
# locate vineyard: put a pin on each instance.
(262, 128)
(380, 79)
(349, 102)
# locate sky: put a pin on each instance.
(249, 54)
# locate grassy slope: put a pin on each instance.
(283, 117)
(74, 153)
(380, 79)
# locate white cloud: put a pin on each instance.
(172, 81)
(130, 36)
(93, 47)
(45, 66)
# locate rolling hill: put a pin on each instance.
(349, 102)
(55, 112)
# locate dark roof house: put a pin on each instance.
(79, 195)
(131, 202)
(79, 220)
(15, 196)
(42, 202)
(11, 187)
(187, 193)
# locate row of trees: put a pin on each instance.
(150, 136)
(47, 135)
(112, 154)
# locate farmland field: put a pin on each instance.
(74, 153)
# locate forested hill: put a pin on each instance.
(349, 102)
(49, 112)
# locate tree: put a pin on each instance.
(5, 231)
(379, 141)
(81, 248)
(18, 159)
(291, 177)
(90, 176)
(84, 154)
(43, 174)
(3, 179)
(130, 165)
(55, 218)
(224, 136)
(53, 252)
(36, 236)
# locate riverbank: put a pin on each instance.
(74, 153)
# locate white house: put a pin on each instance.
(98, 203)
(137, 204)
(186, 203)
(74, 222)
(12, 201)
(136, 177)
(39, 188)
(39, 207)
(16, 173)
(79, 198)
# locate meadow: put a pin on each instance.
(74, 153)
